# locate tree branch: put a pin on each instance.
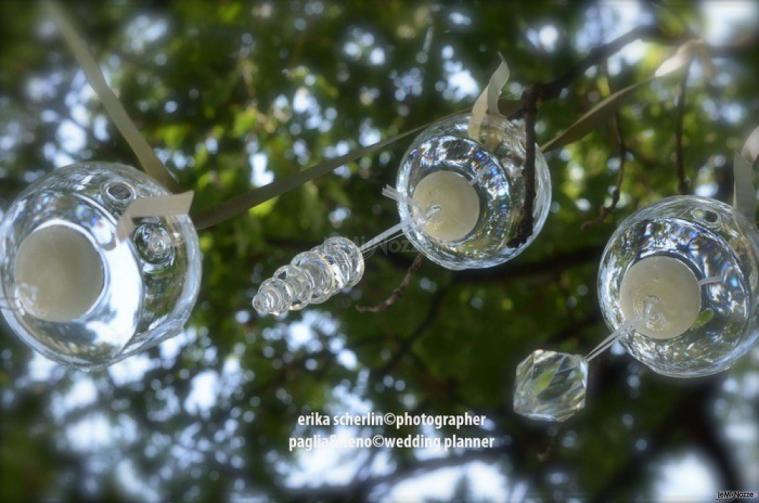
(409, 341)
(606, 210)
(359, 490)
(552, 89)
(526, 222)
(514, 270)
(691, 405)
(398, 292)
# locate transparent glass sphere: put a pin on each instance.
(693, 262)
(71, 290)
(461, 200)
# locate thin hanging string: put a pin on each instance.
(382, 238)
(621, 330)
(487, 101)
(421, 215)
(605, 344)
(145, 155)
(602, 346)
(392, 193)
(396, 230)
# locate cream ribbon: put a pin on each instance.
(159, 206)
(684, 54)
(744, 192)
(487, 101)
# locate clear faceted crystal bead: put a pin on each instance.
(550, 386)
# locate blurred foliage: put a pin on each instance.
(233, 92)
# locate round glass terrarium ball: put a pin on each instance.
(683, 274)
(71, 290)
(461, 200)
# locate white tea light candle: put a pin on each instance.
(662, 295)
(696, 257)
(478, 186)
(75, 292)
(456, 202)
(59, 274)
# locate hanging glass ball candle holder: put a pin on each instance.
(678, 286)
(461, 192)
(477, 189)
(75, 292)
(459, 200)
(692, 262)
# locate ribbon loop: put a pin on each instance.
(487, 101)
(160, 206)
